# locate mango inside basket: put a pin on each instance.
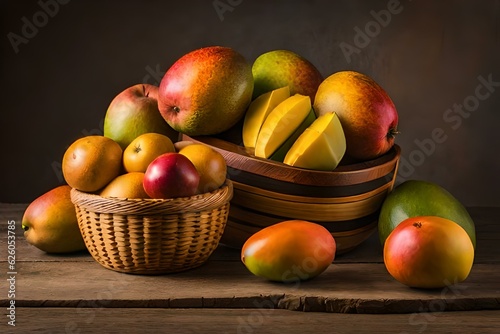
(152, 236)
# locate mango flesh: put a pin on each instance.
(320, 147)
(50, 222)
(280, 153)
(292, 250)
(257, 112)
(278, 68)
(281, 123)
(414, 198)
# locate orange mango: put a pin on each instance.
(292, 250)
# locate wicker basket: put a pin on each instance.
(152, 236)
(345, 201)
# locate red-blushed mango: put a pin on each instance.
(289, 251)
(428, 252)
(50, 222)
(368, 115)
(206, 91)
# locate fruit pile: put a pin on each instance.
(151, 166)
(288, 113)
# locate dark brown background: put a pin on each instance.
(429, 57)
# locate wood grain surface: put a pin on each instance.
(74, 294)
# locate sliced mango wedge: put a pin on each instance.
(321, 146)
(281, 123)
(280, 153)
(257, 112)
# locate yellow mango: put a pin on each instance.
(50, 222)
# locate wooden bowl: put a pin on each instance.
(346, 201)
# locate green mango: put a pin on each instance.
(421, 198)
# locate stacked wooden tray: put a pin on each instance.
(346, 201)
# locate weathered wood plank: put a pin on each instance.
(344, 288)
(243, 321)
(485, 218)
(356, 282)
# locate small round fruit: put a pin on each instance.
(209, 163)
(127, 185)
(289, 251)
(91, 162)
(171, 175)
(428, 252)
(144, 149)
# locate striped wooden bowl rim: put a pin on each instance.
(239, 159)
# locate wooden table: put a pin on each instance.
(74, 294)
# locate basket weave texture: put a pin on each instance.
(152, 236)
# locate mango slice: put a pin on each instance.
(257, 112)
(320, 147)
(281, 123)
(280, 153)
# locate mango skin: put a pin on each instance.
(289, 251)
(50, 222)
(428, 252)
(279, 68)
(422, 198)
(207, 91)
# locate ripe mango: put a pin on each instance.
(206, 91)
(292, 250)
(428, 252)
(258, 111)
(50, 222)
(281, 123)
